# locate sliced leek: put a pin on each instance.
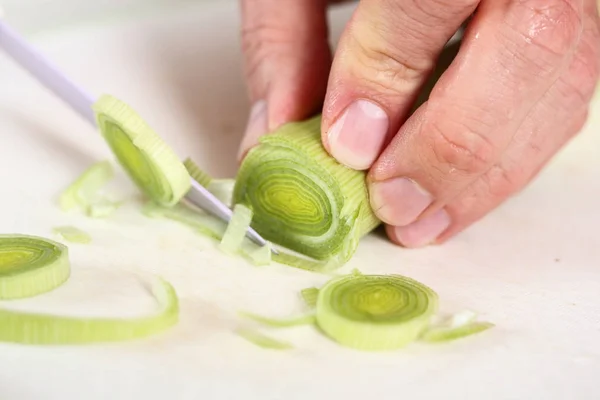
(31, 265)
(310, 296)
(72, 234)
(45, 329)
(302, 199)
(280, 322)
(236, 229)
(150, 163)
(456, 327)
(196, 173)
(375, 312)
(263, 340)
(196, 219)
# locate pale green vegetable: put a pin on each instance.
(72, 234)
(150, 163)
(44, 329)
(375, 312)
(196, 173)
(260, 255)
(310, 296)
(196, 219)
(263, 340)
(86, 193)
(222, 189)
(236, 229)
(456, 327)
(303, 199)
(280, 322)
(31, 265)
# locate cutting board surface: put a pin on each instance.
(532, 267)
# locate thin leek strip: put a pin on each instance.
(236, 229)
(31, 265)
(45, 329)
(456, 327)
(310, 296)
(301, 197)
(375, 312)
(222, 189)
(280, 322)
(72, 234)
(196, 173)
(258, 255)
(150, 163)
(263, 340)
(86, 192)
(198, 220)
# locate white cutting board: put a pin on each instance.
(532, 267)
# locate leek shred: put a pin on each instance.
(261, 255)
(150, 163)
(280, 322)
(302, 198)
(196, 173)
(263, 340)
(45, 329)
(198, 220)
(456, 327)
(310, 296)
(31, 265)
(222, 189)
(236, 229)
(375, 312)
(72, 234)
(86, 192)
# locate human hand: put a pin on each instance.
(518, 90)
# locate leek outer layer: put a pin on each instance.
(375, 312)
(31, 265)
(301, 197)
(150, 163)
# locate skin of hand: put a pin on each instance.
(517, 91)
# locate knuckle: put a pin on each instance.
(262, 41)
(460, 148)
(501, 183)
(551, 26)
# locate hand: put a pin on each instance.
(516, 92)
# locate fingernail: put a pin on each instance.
(424, 231)
(357, 137)
(255, 128)
(398, 201)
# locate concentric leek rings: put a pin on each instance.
(374, 312)
(31, 265)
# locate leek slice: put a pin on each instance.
(86, 191)
(301, 197)
(222, 189)
(44, 329)
(280, 322)
(236, 229)
(310, 296)
(72, 234)
(263, 340)
(150, 163)
(375, 312)
(196, 173)
(456, 327)
(31, 265)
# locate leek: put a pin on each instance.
(456, 327)
(236, 229)
(45, 329)
(375, 312)
(31, 265)
(303, 199)
(263, 340)
(195, 219)
(280, 322)
(310, 296)
(72, 234)
(150, 163)
(196, 173)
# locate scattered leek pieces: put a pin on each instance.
(44, 329)
(236, 229)
(302, 198)
(150, 163)
(72, 234)
(455, 327)
(310, 296)
(222, 189)
(196, 219)
(86, 192)
(263, 340)
(375, 312)
(30, 265)
(308, 319)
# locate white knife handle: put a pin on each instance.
(46, 73)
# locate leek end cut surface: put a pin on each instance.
(301, 197)
(150, 163)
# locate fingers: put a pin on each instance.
(286, 62)
(384, 56)
(512, 53)
(552, 122)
